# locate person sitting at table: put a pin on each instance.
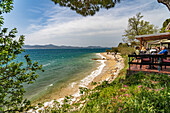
(147, 51)
(153, 50)
(137, 50)
(164, 51)
(143, 50)
(158, 49)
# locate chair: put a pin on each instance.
(165, 61)
(145, 59)
(137, 57)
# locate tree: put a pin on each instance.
(107, 50)
(136, 26)
(5, 7)
(165, 24)
(115, 51)
(126, 50)
(90, 7)
(86, 7)
(13, 74)
(165, 2)
(134, 43)
(123, 45)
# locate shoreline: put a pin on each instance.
(107, 70)
(110, 71)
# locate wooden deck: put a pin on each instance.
(136, 68)
(156, 61)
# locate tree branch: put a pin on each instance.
(165, 2)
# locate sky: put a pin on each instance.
(42, 22)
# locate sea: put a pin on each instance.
(62, 67)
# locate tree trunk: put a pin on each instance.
(165, 2)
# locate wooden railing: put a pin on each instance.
(149, 60)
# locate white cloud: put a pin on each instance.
(64, 27)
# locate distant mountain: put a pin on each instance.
(50, 46)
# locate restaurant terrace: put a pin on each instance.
(151, 63)
(145, 39)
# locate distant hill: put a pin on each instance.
(50, 46)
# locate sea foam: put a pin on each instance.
(95, 73)
(46, 64)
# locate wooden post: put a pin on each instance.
(141, 41)
(159, 63)
(160, 43)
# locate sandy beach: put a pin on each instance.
(111, 70)
(107, 70)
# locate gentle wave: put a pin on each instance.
(94, 74)
(84, 82)
(46, 64)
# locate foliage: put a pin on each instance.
(136, 26)
(134, 43)
(165, 24)
(13, 74)
(123, 45)
(107, 50)
(165, 2)
(126, 50)
(5, 7)
(123, 49)
(114, 49)
(137, 93)
(86, 7)
(90, 7)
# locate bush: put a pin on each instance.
(126, 50)
(138, 93)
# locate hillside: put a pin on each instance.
(51, 46)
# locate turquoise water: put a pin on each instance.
(62, 66)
